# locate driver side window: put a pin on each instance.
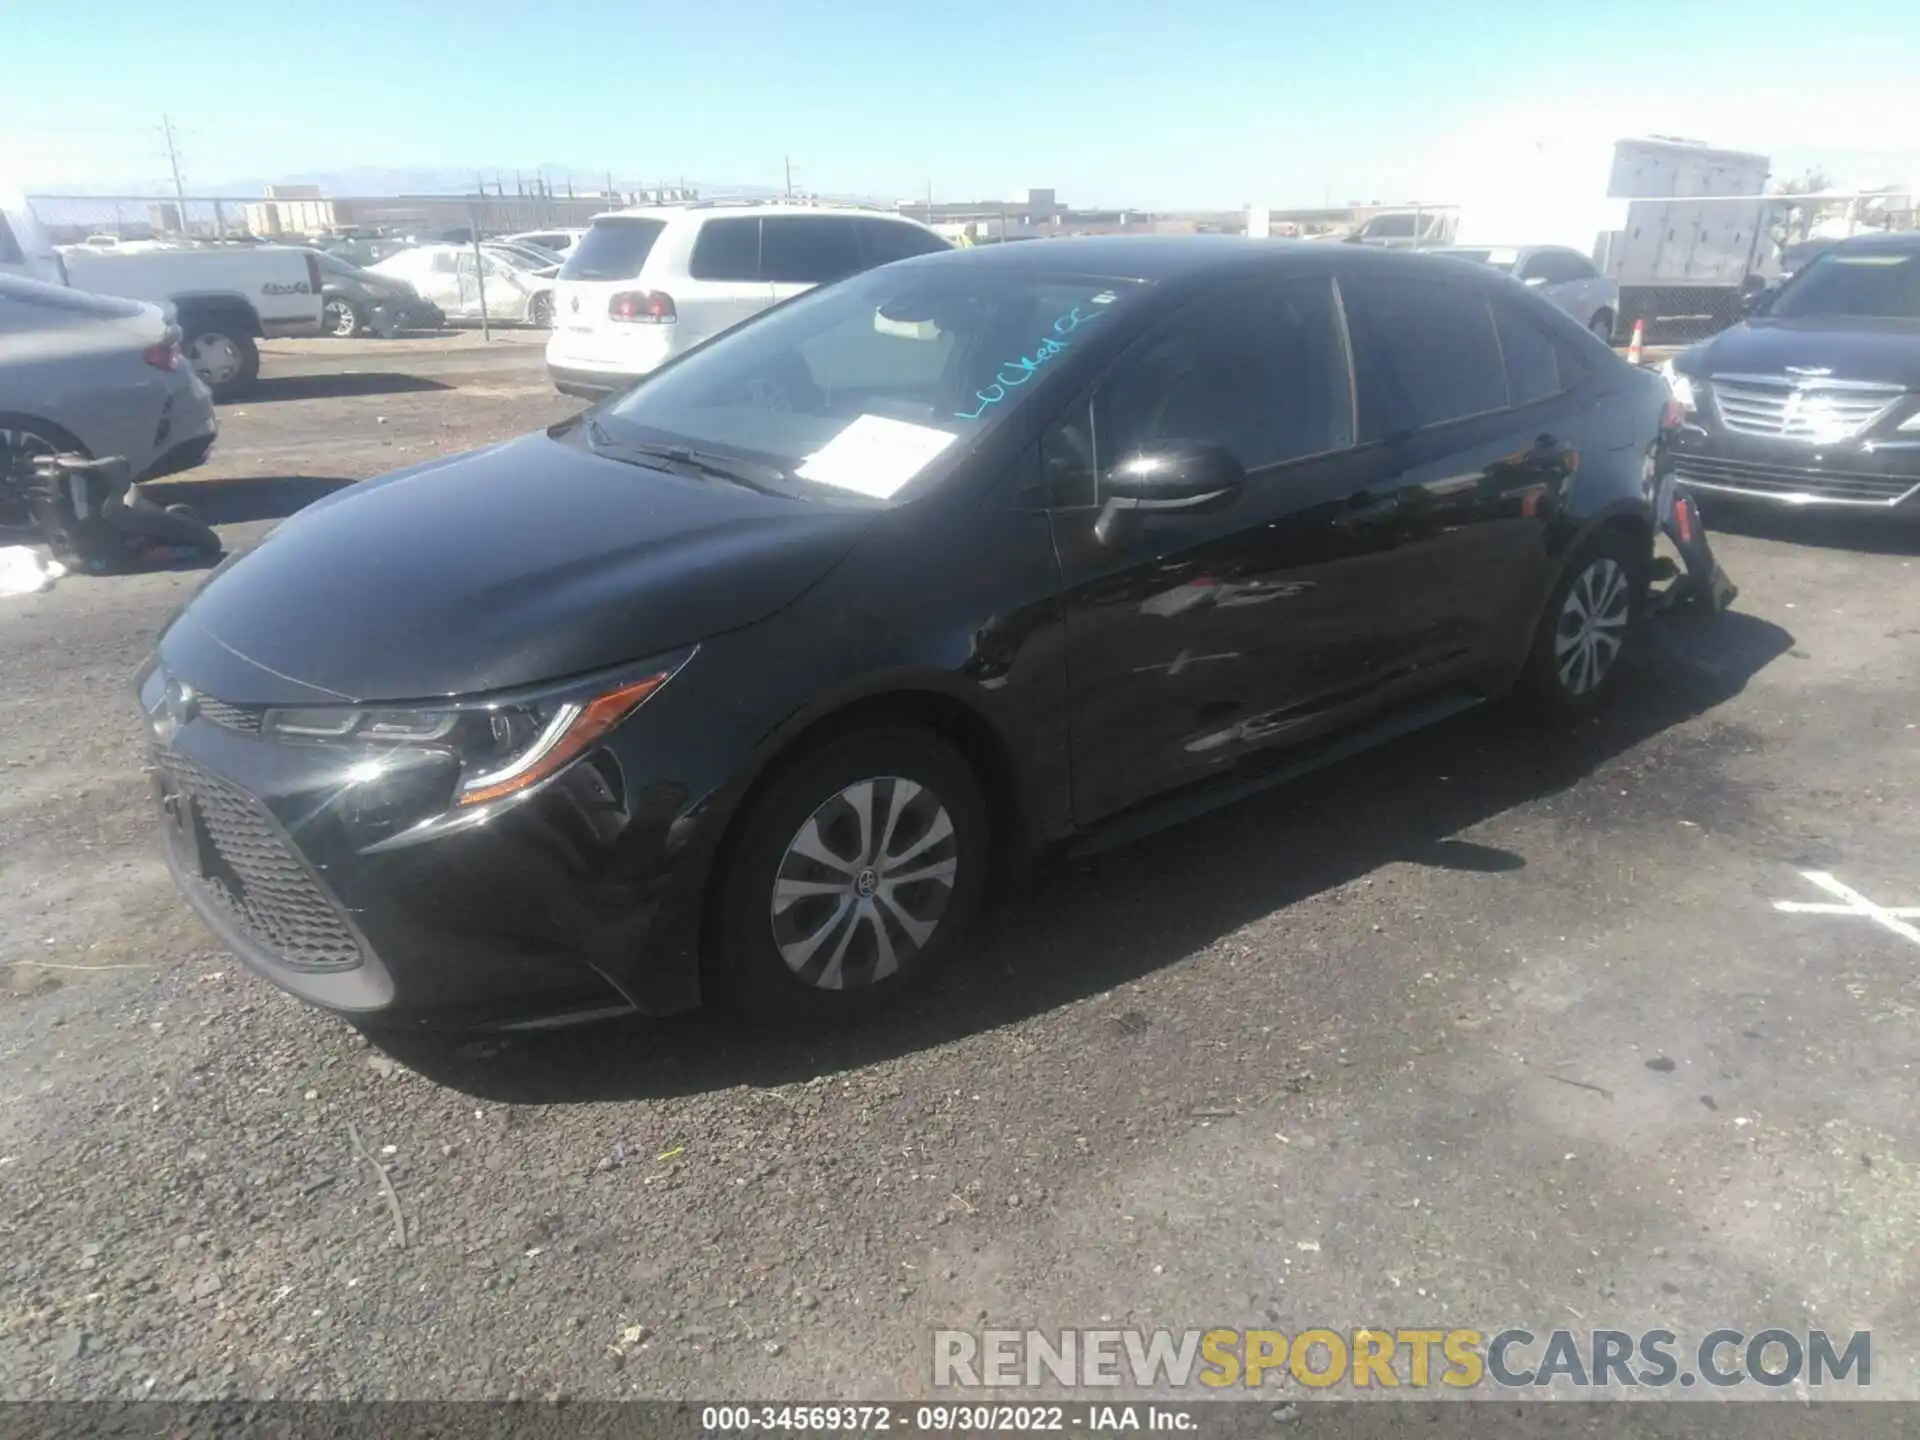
(1258, 368)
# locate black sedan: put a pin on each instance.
(1815, 400)
(741, 682)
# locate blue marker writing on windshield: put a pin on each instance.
(1012, 374)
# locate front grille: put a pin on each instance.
(1786, 482)
(231, 717)
(1816, 411)
(253, 876)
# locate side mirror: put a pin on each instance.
(1757, 302)
(1167, 475)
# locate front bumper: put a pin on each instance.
(1872, 475)
(325, 880)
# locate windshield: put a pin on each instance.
(614, 248)
(520, 252)
(861, 384)
(1863, 284)
(341, 269)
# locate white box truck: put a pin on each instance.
(1682, 227)
(1695, 236)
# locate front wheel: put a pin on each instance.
(853, 879)
(343, 319)
(540, 312)
(1590, 622)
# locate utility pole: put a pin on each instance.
(173, 159)
(788, 159)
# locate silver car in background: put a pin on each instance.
(1561, 274)
(99, 376)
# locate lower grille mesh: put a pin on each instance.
(255, 878)
(1784, 480)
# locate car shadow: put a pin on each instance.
(1876, 532)
(244, 498)
(1087, 926)
(344, 384)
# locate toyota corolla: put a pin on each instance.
(741, 683)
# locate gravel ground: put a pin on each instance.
(1479, 1030)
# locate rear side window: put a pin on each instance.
(726, 250)
(613, 249)
(884, 241)
(807, 249)
(1424, 353)
(1531, 356)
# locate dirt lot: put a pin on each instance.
(1480, 1030)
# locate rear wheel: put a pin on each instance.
(540, 312)
(222, 354)
(1590, 623)
(854, 877)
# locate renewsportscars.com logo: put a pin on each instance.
(1383, 1359)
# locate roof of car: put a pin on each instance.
(1897, 241)
(747, 207)
(1168, 257)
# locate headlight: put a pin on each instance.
(504, 747)
(1681, 386)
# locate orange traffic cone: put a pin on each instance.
(1639, 340)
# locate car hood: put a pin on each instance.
(528, 562)
(1887, 351)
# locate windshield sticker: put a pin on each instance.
(1012, 374)
(905, 329)
(875, 456)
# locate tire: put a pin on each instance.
(1602, 325)
(800, 940)
(342, 319)
(540, 311)
(27, 437)
(1607, 578)
(222, 353)
(36, 437)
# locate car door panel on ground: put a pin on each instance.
(1200, 638)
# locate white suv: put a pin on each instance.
(645, 285)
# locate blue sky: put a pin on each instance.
(1109, 101)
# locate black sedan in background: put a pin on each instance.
(741, 682)
(1815, 400)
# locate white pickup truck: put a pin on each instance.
(224, 297)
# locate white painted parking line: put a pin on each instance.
(1894, 919)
